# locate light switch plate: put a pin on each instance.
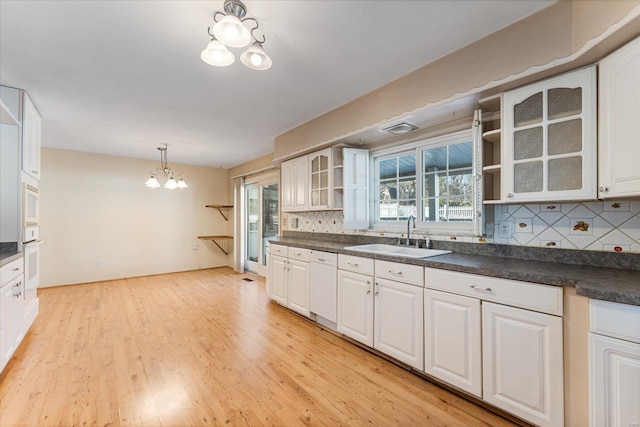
(505, 229)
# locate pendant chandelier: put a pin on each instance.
(229, 31)
(164, 172)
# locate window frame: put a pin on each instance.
(465, 228)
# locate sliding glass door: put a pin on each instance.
(260, 223)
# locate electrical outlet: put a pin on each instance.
(100, 262)
(194, 247)
(505, 229)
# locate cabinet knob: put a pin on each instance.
(510, 195)
(604, 189)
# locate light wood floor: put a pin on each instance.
(205, 347)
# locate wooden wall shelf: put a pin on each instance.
(215, 240)
(220, 207)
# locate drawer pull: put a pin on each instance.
(321, 259)
(352, 264)
(480, 289)
(16, 269)
(395, 272)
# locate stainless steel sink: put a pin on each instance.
(402, 251)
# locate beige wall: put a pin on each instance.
(563, 36)
(97, 207)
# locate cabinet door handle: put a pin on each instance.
(395, 272)
(480, 289)
(377, 289)
(510, 195)
(604, 189)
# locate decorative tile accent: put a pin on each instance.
(611, 225)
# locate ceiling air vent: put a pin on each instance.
(400, 128)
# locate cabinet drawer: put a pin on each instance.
(11, 271)
(278, 250)
(615, 320)
(299, 254)
(356, 264)
(320, 257)
(532, 296)
(413, 274)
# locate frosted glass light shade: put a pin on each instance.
(230, 31)
(152, 182)
(217, 54)
(256, 58)
(182, 183)
(171, 184)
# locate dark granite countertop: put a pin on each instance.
(610, 284)
(7, 257)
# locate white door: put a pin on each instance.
(355, 306)
(278, 275)
(615, 382)
(301, 183)
(452, 335)
(299, 286)
(288, 189)
(398, 325)
(522, 363)
(261, 222)
(619, 123)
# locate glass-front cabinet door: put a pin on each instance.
(549, 146)
(325, 179)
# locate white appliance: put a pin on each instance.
(31, 268)
(323, 284)
(30, 207)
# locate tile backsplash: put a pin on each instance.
(594, 226)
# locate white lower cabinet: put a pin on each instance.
(615, 382)
(298, 281)
(614, 364)
(398, 324)
(381, 313)
(11, 313)
(452, 334)
(522, 363)
(289, 278)
(355, 306)
(278, 289)
(519, 346)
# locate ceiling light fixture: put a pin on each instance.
(400, 128)
(230, 31)
(165, 173)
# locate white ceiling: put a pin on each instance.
(123, 77)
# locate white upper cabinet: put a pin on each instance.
(619, 109)
(325, 179)
(295, 184)
(31, 138)
(549, 139)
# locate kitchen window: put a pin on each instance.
(432, 180)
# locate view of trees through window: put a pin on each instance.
(433, 184)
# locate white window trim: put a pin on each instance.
(442, 228)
